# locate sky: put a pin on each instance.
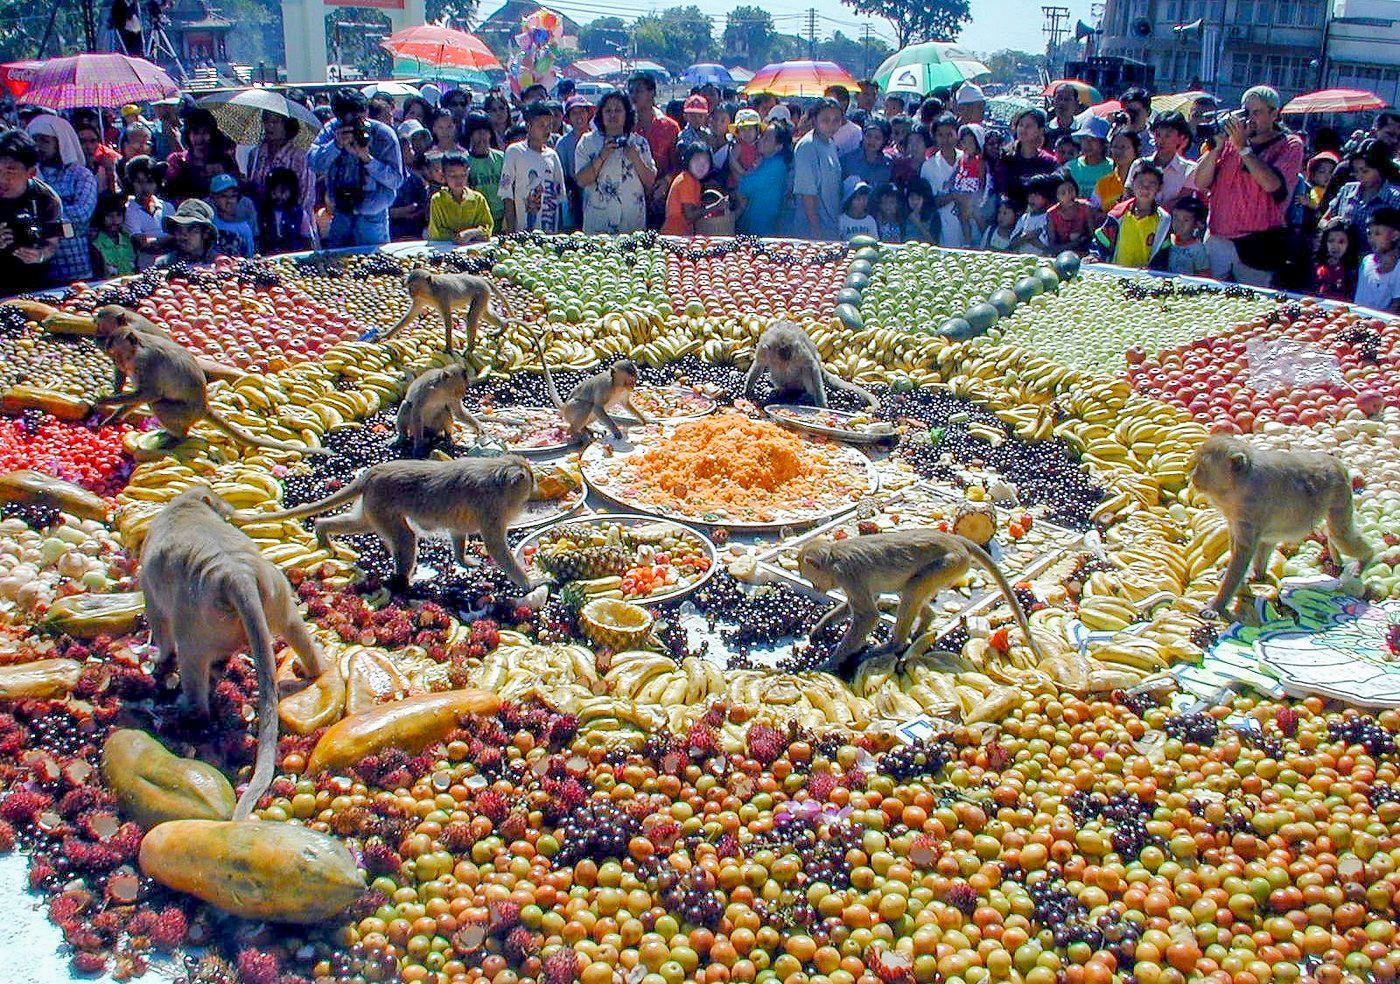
(995, 23)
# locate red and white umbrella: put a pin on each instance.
(1335, 101)
(96, 80)
(439, 46)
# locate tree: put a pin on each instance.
(676, 37)
(918, 20)
(1009, 65)
(858, 57)
(749, 36)
(602, 36)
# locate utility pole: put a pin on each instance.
(865, 50)
(1056, 27)
(811, 33)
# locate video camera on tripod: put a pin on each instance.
(156, 13)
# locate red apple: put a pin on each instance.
(1370, 402)
(1135, 355)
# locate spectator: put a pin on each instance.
(146, 210)
(889, 214)
(761, 103)
(912, 151)
(115, 251)
(1092, 162)
(1064, 108)
(868, 161)
(968, 184)
(918, 212)
(135, 142)
(408, 215)
(662, 134)
(419, 110)
(856, 219)
(848, 135)
(1137, 107)
(235, 234)
(381, 108)
(1374, 187)
(1337, 260)
(1310, 192)
(938, 171)
(1000, 235)
(1386, 129)
(1135, 231)
(359, 159)
(1248, 176)
(443, 126)
(1202, 121)
(1032, 232)
(1026, 157)
(1071, 217)
(532, 179)
(894, 106)
(487, 164)
(415, 140)
(1378, 281)
(497, 110)
(62, 168)
(1171, 135)
(457, 213)
(277, 151)
(1065, 149)
(282, 221)
(744, 156)
(1187, 255)
(683, 203)
(193, 238)
(816, 175)
(165, 131)
(900, 127)
(697, 123)
(204, 152)
(1112, 187)
(31, 216)
(868, 96)
(579, 113)
(971, 105)
(721, 119)
(100, 159)
(763, 192)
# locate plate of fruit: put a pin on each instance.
(839, 425)
(559, 490)
(527, 430)
(630, 558)
(667, 403)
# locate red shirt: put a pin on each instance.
(1238, 206)
(1070, 223)
(662, 136)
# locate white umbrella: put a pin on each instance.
(240, 115)
(394, 90)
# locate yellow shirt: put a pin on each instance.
(447, 216)
(1135, 235)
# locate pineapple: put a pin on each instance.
(573, 598)
(583, 563)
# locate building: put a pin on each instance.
(1363, 47)
(499, 30)
(199, 33)
(1223, 45)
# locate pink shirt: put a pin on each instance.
(1238, 206)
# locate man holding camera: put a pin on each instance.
(31, 217)
(362, 164)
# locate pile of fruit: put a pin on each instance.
(653, 776)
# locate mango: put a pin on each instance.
(410, 724)
(254, 869)
(153, 786)
(44, 678)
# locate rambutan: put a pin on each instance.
(665, 834)
(100, 825)
(514, 827)
(82, 799)
(141, 923)
(727, 846)
(7, 838)
(107, 923)
(457, 836)
(924, 851)
(258, 966)
(961, 897)
(492, 804)
(560, 967)
(1287, 719)
(766, 743)
(820, 785)
(505, 915)
(22, 806)
(520, 944)
(381, 859)
(127, 840)
(66, 906)
(82, 937)
(470, 935)
(715, 714)
(169, 929)
(562, 729)
(86, 962)
(998, 756)
(702, 740)
(41, 873)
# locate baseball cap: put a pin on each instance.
(131, 109)
(746, 117)
(221, 183)
(852, 186)
(574, 102)
(779, 114)
(1092, 126)
(697, 104)
(409, 129)
(968, 94)
(192, 211)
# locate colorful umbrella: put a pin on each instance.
(15, 76)
(1335, 101)
(707, 73)
(800, 78)
(95, 81)
(1106, 109)
(441, 47)
(1088, 95)
(921, 68)
(240, 115)
(1180, 102)
(1004, 109)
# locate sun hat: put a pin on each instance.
(852, 186)
(747, 117)
(192, 211)
(968, 94)
(779, 114)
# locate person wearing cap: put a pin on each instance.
(62, 167)
(414, 138)
(1092, 162)
(662, 134)
(868, 161)
(235, 233)
(278, 149)
(697, 122)
(362, 165)
(970, 104)
(816, 175)
(1064, 114)
(778, 114)
(146, 210)
(193, 237)
(856, 219)
(744, 132)
(1171, 135)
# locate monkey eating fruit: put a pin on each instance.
(432, 402)
(795, 368)
(110, 318)
(590, 399)
(1272, 497)
(445, 292)
(208, 593)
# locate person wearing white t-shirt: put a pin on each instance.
(856, 219)
(938, 170)
(1378, 280)
(532, 178)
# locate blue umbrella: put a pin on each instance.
(707, 73)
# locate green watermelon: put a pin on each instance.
(958, 329)
(1028, 287)
(1004, 301)
(1067, 264)
(850, 317)
(858, 280)
(860, 242)
(848, 295)
(982, 316)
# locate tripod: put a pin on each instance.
(158, 43)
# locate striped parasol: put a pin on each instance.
(1335, 101)
(921, 68)
(1180, 102)
(91, 80)
(800, 78)
(433, 46)
(1088, 95)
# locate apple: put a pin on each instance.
(1135, 355)
(1369, 402)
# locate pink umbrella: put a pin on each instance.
(1335, 101)
(1106, 109)
(441, 46)
(98, 81)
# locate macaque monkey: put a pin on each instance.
(795, 368)
(208, 593)
(912, 563)
(112, 317)
(445, 292)
(590, 399)
(1272, 497)
(168, 378)
(433, 401)
(462, 496)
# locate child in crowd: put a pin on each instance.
(192, 235)
(1032, 233)
(744, 133)
(1378, 281)
(1135, 231)
(889, 214)
(856, 219)
(1188, 249)
(968, 183)
(111, 241)
(999, 236)
(280, 223)
(913, 151)
(918, 212)
(1092, 162)
(1338, 255)
(234, 231)
(683, 201)
(1310, 191)
(1066, 149)
(1071, 217)
(146, 210)
(459, 213)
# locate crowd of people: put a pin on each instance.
(1227, 193)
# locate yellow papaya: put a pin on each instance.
(87, 616)
(22, 397)
(37, 489)
(44, 678)
(254, 869)
(66, 322)
(410, 724)
(319, 705)
(33, 310)
(371, 679)
(152, 785)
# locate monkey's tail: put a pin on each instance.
(330, 502)
(836, 381)
(247, 602)
(983, 560)
(243, 437)
(548, 376)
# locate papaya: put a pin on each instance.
(318, 706)
(259, 870)
(69, 323)
(411, 724)
(33, 310)
(87, 616)
(34, 488)
(371, 678)
(152, 785)
(44, 678)
(22, 397)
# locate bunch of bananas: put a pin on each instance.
(516, 671)
(651, 678)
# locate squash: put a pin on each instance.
(68, 322)
(45, 678)
(35, 488)
(410, 724)
(318, 706)
(153, 786)
(88, 616)
(259, 870)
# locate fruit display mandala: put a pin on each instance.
(646, 772)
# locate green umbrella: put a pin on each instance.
(1004, 109)
(921, 68)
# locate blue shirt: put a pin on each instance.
(816, 172)
(1357, 211)
(765, 190)
(381, 174)
(234, 238)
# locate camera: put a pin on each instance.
(619, 142)
(1213, 123)
(1121, 118)
(26, 229)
